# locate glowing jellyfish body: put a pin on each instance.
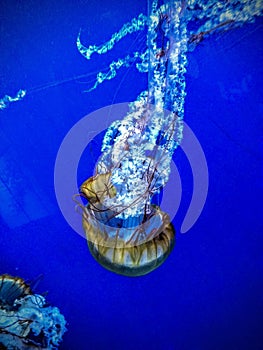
(125, 232)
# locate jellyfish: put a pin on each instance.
(126, 232)
(26, 320)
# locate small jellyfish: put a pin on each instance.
(26, 320)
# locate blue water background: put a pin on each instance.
(208, 294)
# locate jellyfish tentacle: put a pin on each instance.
(6, 100)
(135, 25)
(113, 68)
(214, 16)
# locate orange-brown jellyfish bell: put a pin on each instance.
(134, 246)
(12, 288)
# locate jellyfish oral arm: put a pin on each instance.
(135, 25)
(6, 100)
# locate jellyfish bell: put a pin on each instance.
(11, 289)
(96, 187)
(128, 260)
(134, 246)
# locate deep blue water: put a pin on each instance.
(208, 294)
